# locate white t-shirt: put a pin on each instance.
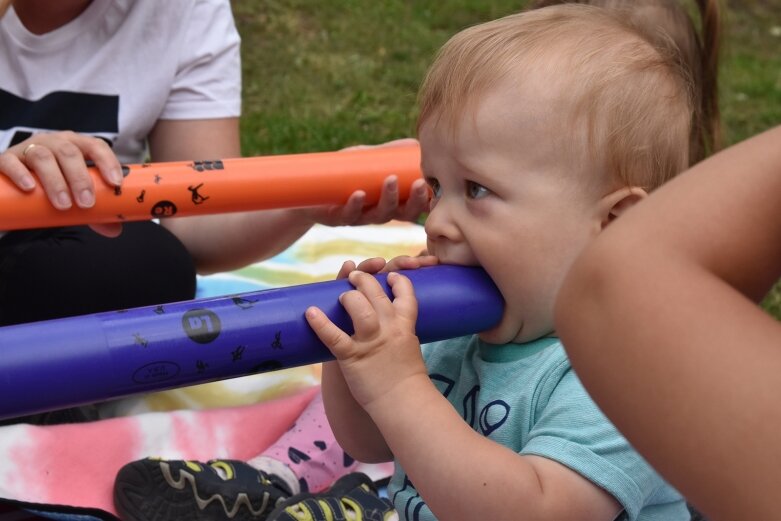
(117, 69)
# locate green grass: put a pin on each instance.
(322, 75)
(751, 71)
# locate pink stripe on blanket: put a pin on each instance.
(75, 465)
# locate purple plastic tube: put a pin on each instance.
(73, 361)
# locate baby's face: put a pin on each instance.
(508, 198)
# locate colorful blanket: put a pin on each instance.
(74, 465)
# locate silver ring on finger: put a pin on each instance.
(27, 149)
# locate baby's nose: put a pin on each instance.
(440, 225)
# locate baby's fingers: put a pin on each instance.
(405, 262)
(361, 308)
(336, 340)
(373, 265)
(373, 293)
(404, 301)
(347, 267)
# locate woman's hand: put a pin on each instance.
(354, 212)
(57, 161)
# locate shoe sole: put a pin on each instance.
(142, 493)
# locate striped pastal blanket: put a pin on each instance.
(73, 466)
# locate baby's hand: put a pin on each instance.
(379, 265)
(353, 213)
(384, 352)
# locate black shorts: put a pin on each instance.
(61, 272)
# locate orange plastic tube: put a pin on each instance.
(157, 190)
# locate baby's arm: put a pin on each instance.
(353, 428)
(462, 475)
(458, 472)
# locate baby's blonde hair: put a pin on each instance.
(699, 50)
(630, 94)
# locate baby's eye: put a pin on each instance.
(434, 185)
(475, 190)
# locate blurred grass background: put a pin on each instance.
(323, 75)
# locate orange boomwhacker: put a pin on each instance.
(157, 190)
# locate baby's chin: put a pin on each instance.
(505, 332)
(514, 331)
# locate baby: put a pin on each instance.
(537, 131)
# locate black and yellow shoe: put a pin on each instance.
(160, 490)
(351, 498)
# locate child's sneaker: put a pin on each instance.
(159, 490)
(351, 498)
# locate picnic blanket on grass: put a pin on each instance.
(67, 471)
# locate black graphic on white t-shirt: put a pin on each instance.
(85, 113)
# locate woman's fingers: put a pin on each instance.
(388, 204)
(103, 157)
(13, 168)
(418, 201)
(110, 230)
(58, 160)
(41, 160)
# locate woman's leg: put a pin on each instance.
(61, 272)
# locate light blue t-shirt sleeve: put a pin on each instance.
(571, 430)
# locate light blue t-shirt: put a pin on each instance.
(527, 397)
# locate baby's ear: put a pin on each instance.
(614, 204)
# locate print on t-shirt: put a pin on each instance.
(93, 114)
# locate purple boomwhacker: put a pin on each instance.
(72, 361)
